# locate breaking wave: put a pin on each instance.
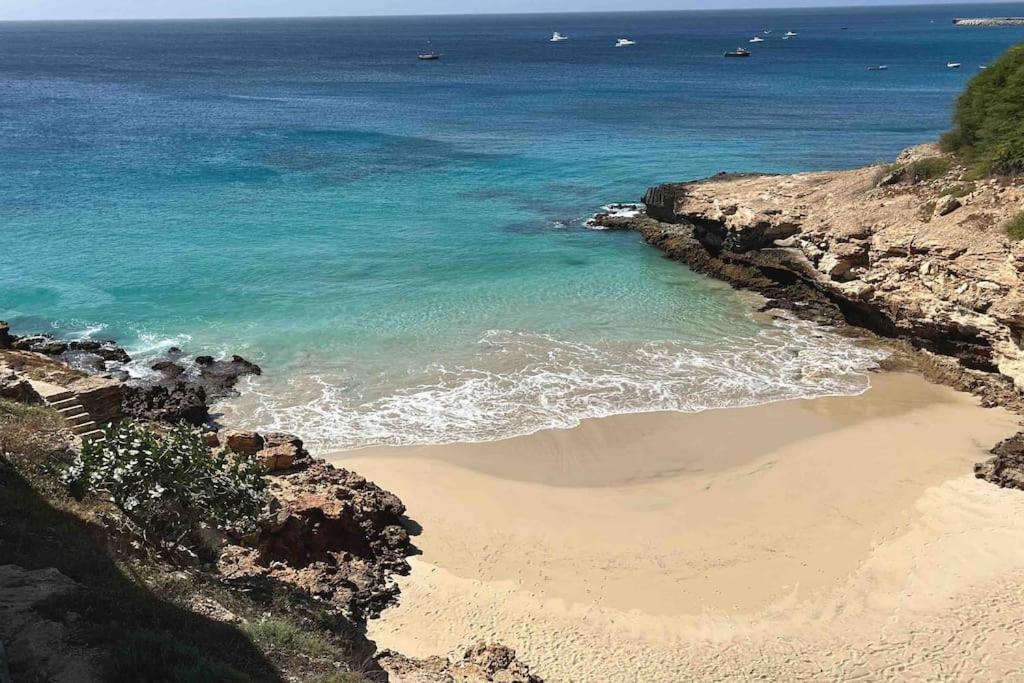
(520, 383)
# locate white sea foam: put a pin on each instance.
(523, 383)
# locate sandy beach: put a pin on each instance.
(837, 538)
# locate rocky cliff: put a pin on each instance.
(913, 250)
(917, 251)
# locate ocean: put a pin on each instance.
(402, 244)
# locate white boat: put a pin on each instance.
(880, 67)
(767, 31)
(756, 39)
(790, 34)
(624, 42)
(557, 37)
(952, 65)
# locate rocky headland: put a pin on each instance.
(916, 252)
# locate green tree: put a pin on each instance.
(989, 117)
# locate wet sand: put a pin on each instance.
(836, 538)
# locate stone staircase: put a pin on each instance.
(71, 409)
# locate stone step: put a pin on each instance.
(71, 410)
(84, 428)
(80, 419)
(58, 397)
(64, 403)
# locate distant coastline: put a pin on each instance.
(989, 21)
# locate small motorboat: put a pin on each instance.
(790, 34)
(767, 31)
(880, 67)
(952, 65)
(557, 37)
(756, 39)
(430, 54)
(624, 42)
(738, 52)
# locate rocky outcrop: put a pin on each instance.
(175, 389)
(14, 387)
(179, 390)
(922, 260)
(37, 648)
(331, 534)
(1006, 466)
(481, 663)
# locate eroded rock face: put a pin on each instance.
(481, 663)
(331, 534)
(5, 335)
(38, 649)
(1006, 467)
(904, 259)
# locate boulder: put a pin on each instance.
(277, 458)
(243, 442)
(5, 335)
(947, 205)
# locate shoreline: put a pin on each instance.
(569, 535)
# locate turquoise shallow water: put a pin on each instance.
(401, 244)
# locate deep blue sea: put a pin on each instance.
(401, 244)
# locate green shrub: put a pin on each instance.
(288, 637)
(1015, 227)
(168, 485)
(957, 191)
(928, 168)
(989, 117)
(159, 656)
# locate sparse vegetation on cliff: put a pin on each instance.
(1015, 227)
(989, 118)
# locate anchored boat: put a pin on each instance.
(738, 52)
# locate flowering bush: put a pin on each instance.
(168, 485)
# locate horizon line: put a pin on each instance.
(854, 5)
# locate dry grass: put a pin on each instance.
(29, 432)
